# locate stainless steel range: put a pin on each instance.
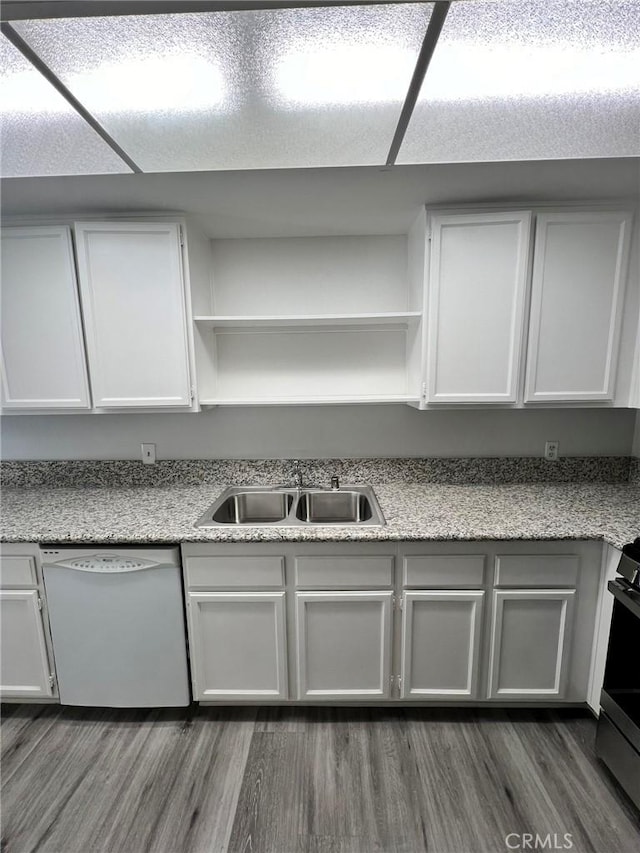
(618, 738)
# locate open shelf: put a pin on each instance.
(294, 364)
(390, 318)
(313, 320)
(311, 401)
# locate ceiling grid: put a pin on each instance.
(272, 85)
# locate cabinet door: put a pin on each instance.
(344, 645)
(477, 285)
(530, 643)
(24, 665)
(43, 360)
(238, 645)
(133, 303)
(441, 633)
(579, 274)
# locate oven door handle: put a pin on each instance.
(621, 593)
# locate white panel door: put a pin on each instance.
(530, 643)
(24, 665)
(344, 645)
(43, 359)
(133, 302)
(477, 287)
(238, 645)
(579, 276)
(441, 633)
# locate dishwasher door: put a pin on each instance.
(117, 625)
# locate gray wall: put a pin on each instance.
(350, 431)
(636, 437)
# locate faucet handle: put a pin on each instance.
(335, 483)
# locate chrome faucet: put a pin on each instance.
(335, 483)
(297, 474)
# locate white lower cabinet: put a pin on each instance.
(441, 635)
(344, 645)
(238, 645)
(530, 643)
(24, 664)
(414, 622)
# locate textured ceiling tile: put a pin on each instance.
(246, 89)
(40, 134)
(517, 80)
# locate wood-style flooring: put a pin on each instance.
(307, 780)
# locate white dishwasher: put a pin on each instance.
(117, 625)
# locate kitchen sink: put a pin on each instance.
(255, 506)
(339, 507)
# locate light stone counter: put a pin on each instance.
(413, 512)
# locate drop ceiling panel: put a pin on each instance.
(523, 79)
(40, 134)
(244, 89)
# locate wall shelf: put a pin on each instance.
(304, 321)
(311, 401)
(390, 318)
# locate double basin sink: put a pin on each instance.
(255, 506)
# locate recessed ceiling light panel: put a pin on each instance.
(241, 89)
(40, 133)
(523, 79)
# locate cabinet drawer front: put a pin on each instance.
(344, 572)
(444, 572)
(527, 570)
(235, 572)
(18, 571)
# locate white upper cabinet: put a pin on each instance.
(579, 276)
(133, 302)
(476, 303)
(43, 363)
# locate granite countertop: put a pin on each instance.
(432, 511)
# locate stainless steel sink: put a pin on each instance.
(255, 506)
(339, 507)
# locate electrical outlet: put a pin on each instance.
(148, 453)
(551, 450)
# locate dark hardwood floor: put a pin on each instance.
(307, 780)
